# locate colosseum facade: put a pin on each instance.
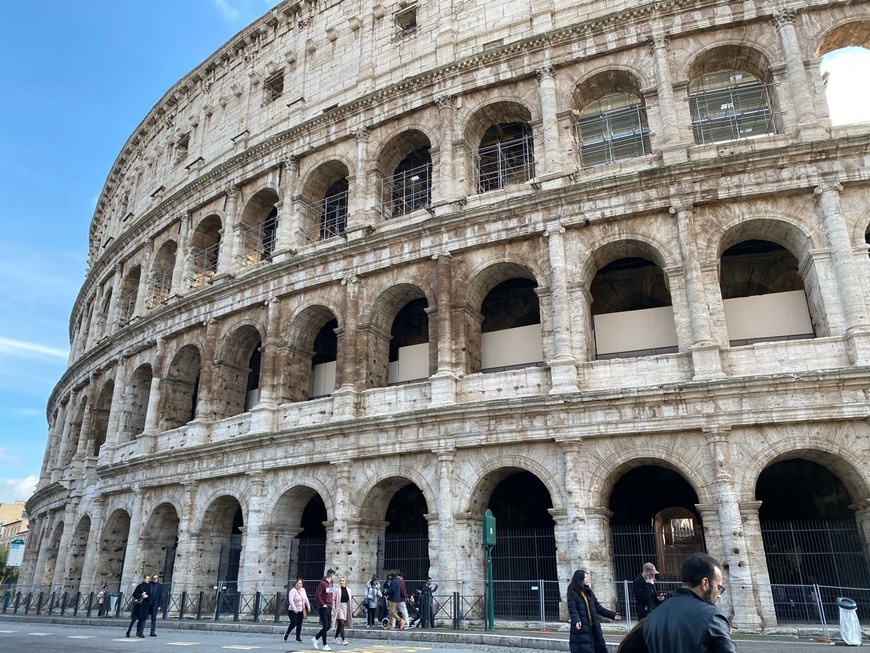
(375, 267)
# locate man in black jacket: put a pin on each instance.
(690, 622)
(155, 591)
(648, 599)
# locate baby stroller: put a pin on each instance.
(414, 613)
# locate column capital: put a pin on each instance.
(445, 102)
(782, 17)
(826, 185)
(361, 134)
(658, 41)
(545, 72)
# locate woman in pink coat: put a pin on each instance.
(297, 607)
(341, 616)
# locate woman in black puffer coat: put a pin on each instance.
(586, 613)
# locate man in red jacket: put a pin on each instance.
(323, 601)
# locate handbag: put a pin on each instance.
(304, 612)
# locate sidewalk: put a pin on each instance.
(509, 637)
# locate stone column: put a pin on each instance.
(84, 440)
(553, 158)
(250, 568)
(444, 190)
(347, 367)
(287, 237)
(600, 560)
(846, 273)
(443, 382)
(576, 545)
(144, 280)
(112, 317)
(783, 21)
(69, 527)
(470, 556)
(60, 465)
(207, 379)
(90, 572)
(183, 256)
(271, 379)
(115, 411)
(446, 570)
(563, 367)
(339, 544)
(358, 204)
(736, 563)
(185, 574)
(673, 150)
(152, 412)
(706, 353)
(52, 466)
(758, 562)
(229, 247)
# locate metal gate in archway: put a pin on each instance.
(521, 559)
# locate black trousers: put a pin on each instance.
(295, 622)
(325, 623)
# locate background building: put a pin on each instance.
(371, 269)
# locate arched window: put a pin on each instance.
(205, 246)
(612, 128)
(161, 277)
(129, 295)
(505, 156)
(258, 226)
(333, 216)
(410, 186)
(727, 105)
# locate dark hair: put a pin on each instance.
(577, 580)
(697, 567)
(330, 572)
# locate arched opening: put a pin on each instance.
(632, 313)
(845, 68)
(654, 520)
(325, 201)
(113, 549)
(310, 561)
(238, 387)
(526, 545)
(129, 295)
(161, 274)
(406, 537)
(730, 95)
(258, 225)
(409, 343)
(75, 557)
(405, 170)
(510, 330)
(180, 389)
(159, 542)
(49, 570)
(205, 244)
(505, 156)
(74, 435)
(324, 360)
(136, 402)
(100, 417)
(221, 535)
(763, 294)
(810, 538)
(611, 119)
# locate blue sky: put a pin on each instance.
(76, 79)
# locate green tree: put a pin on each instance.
(7, 574)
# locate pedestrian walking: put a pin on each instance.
(341, 616)
(586, 634)
(323, 599)
(297, 609)
(140, 607)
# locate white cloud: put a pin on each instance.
(22, 349)
(228, 11)
(17, 489)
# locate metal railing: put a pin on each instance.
(613, 136)
(406, 191)
(205, 264)
(503, 164)
(126, 307)
(258, 242)
(735, 112)
(161, 286)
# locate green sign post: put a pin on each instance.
(489, 543)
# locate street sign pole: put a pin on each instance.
(489, 543)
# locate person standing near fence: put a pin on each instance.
(297, 609)
(690, 621)
(341, 616)
(586, 634)
(393, 594)
(648, 599)
(103, 601)
(155, 592)
(427, 603)
(140, 607)
(371, 600)
(324, 602)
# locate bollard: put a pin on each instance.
(277, 607)
(237, 599)
(256, 606)
(76, 601)
(200, 604)
(17, 602)
(182, 608)
(63, 602)
(51, 600)
(39, 602)
(90, 605)
(456, 611)
(27, 602)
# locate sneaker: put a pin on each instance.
(315, 643)
(326, 647)
(344, 642)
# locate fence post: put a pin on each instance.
(17, 602)
(821, 611)
(277, 607)
(7, 597)
(456, 611)
(119, 603)
(199, 604)
(27, 602)
(237, 601)
(39, 602)
(63, 602)
(217, 603)
(627, 604)
(167, 601)
(256, 606)
(541, 602)
(90, 604)
(51, 600)
(183, 605)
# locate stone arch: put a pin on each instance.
(325, 199)
(49, 569)
(205, 244)
(258, 224)
(220, 538)
(136, 402)
(397, 145)
(487, 476)
(113, 548)
(159, 540)
(100, 416)
(404, 170)
(162, 269)
(312, 352)
(850, 33)
(180, 388)
(75, 432)
(75, 557)
(380, 324)
(237, 378)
